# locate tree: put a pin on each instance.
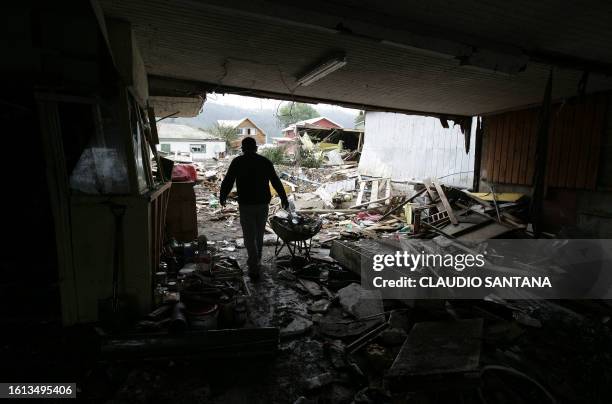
(293, 112)
(227, 133)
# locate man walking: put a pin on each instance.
(253, 173)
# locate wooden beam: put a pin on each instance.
(388, 191)
(369, 203)
(447, 205)
(361, 191)
(59, 196)
(395, 209)
(374, 192)
(539, 175)
(428, 186)
(329, 211)
(126, 132)
(478, 154)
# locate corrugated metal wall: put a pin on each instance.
(411, 148)
(573, 151)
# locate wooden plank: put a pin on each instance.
(532, 147)
(428, 188)
(554, 144)
(374, 192)
(565, 122)
(503, 157)
(445, 202)
(510, 139)
(395, 209)
(509, 152)
(570, 174)
(601, 103)
(362, 185)
(490, 126)
(329, 210)
(465, 227)
(499, 196)
(370, 202)
(478, 156)
(152, 226)
(524, 147)
(584, 133)
(433, 349)
(579, 115)
(516, 146)
(486, 232)
(498, 147)
(557, 131)
(388, 192)
(539, 182)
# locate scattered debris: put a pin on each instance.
(337, 354)
(320, 306)
(433, 349)
(393, 336)
(298, 326)
(367, 349)
(378, 357)
(312, 287)
(361, 303)
(318, 381)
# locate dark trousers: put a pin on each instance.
(253, 221)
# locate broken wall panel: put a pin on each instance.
(411, 148)
(573, 150)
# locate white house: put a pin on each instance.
(188, 141)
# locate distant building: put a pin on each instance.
(187, 141)
(244, 127)
(312, 123)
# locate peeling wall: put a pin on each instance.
(411, 148)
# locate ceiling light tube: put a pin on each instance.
(322, 70)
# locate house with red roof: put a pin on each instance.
(320, 122)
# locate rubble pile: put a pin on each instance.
(351, 206)
(340, 342)
(197, 288)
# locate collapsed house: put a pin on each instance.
(323, 136)
(107, 240)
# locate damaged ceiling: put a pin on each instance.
(433, 57)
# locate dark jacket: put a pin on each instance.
(252, 173)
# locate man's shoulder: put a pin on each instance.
(263, 159)
(237, 159)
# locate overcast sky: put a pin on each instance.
(261, 103)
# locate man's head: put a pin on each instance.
(249, 145)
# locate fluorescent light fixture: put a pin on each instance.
(322, 70)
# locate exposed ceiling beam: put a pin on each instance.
(170, 87)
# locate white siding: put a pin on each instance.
(213, 147)
(412, 148)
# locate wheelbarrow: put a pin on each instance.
(297, 237)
